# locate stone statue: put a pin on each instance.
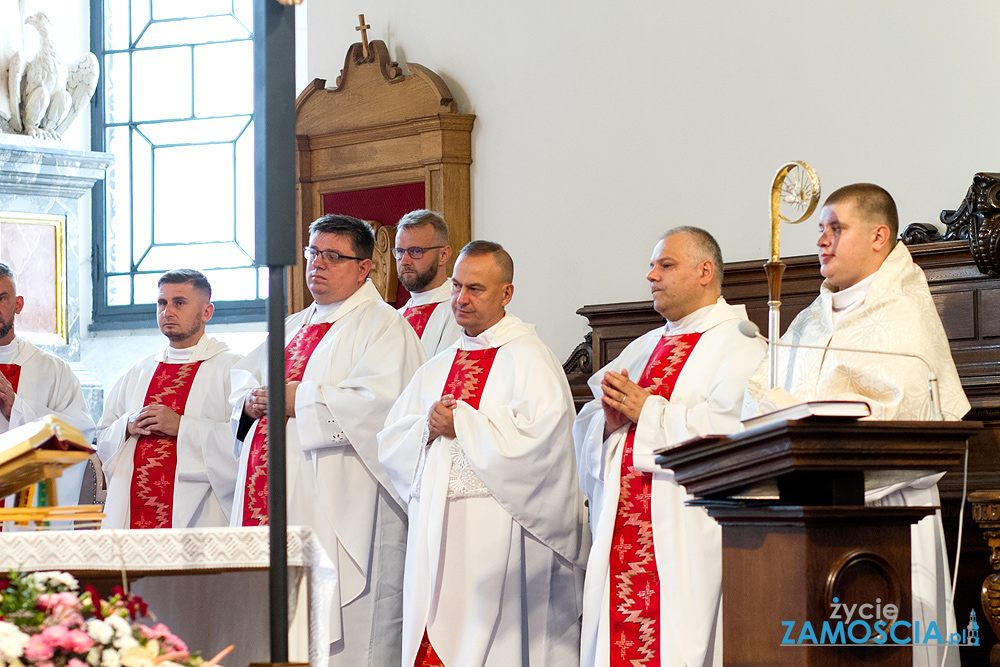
(40, 97)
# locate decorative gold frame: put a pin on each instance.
(28, 288)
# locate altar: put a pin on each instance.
(209, 585)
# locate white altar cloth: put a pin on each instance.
(224, 603)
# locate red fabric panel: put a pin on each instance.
(383, 205)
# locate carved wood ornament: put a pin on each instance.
(381, 128)
(976, 220)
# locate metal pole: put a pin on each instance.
(274, 194)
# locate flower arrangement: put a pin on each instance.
(46, 622)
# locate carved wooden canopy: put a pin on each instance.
(378, 129)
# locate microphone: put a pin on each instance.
(751, 330)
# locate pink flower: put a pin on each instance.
(67, 600)
(76, 662)
(38, 649)
(171, 642)
(78, 641)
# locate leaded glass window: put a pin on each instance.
(175, 108)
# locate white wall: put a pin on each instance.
(600, 124)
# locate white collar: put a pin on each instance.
(689, 322)
(851, 297)
(436, 295)
(482, 341)
(9, 351)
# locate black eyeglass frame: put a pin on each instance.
(329, 256)
(398, 252)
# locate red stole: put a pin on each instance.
(12, 372)
(418, 316)
(154, 462)
(297, 354)
(465, 382)
(635, 584)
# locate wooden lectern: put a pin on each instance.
(796, 533)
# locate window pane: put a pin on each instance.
(146, 290)
(120, 290)
(142, 201)
(245, 232)
(194, 131)
(116, 87)
(231, 93)
(232, 285)
(194, 194)
(140, 17)
(161, 84)
(118, 203)
(116, 24)
(193, 31)
(200, 255)
(176, 9)
(263, 282)
(244, 12)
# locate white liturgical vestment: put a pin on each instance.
(47, 386)
(441, 330)
(896, 314)
(497, 538)
(206, 468)
(335, 482)
(687, 542)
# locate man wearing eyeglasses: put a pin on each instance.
(422, 253)
(347, 358)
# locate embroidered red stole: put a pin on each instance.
(297, 354)
(465, 382)
(418, 316)
(154, 462)
(12, 372)
(635, 584)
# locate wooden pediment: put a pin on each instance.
(365, 145)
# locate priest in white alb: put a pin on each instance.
(35, 383)
(480, 449)
(165, 439)
(875, 299)
(347, 358)
(422, 253)
(654, 578)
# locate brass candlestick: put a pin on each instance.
(794, 196)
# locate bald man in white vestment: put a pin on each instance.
(422, 253)
(479, 446)
(347, 358)
(875, 298)
(35, 383)
(165, 439)
(654, 578)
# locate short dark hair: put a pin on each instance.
(501, 256)
(357, 231)
(874, 205)
(179, 276)
(705, 243)
(422, 217)
(6, 272)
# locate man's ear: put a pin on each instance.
(18, 305)
(707, 272)
(508, 293)
(881, 238)
(365, 266)
(206, 315)
(445, 255)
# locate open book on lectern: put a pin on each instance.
(49, 432)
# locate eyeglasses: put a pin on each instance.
(329, 256)
(414, 252)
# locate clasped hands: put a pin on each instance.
(441, 418)
(255, 405)
(7, 396)
(622, 400)
(155, 419)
